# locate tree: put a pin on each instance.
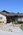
(17, 12)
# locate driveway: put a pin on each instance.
(16, 30)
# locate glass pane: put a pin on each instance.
(19, 19)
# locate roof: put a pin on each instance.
(4, 12)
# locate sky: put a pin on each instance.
(12, 5)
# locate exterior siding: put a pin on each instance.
(3, 18)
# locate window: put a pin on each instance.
(19, 19)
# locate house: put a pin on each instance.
(6, 17)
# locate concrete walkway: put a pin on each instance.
(16, 31)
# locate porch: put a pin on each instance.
(10, 19)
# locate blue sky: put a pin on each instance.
(11, 5)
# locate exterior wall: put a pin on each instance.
(22, 19)
(19, 19)
(3, 18)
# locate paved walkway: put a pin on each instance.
(16, 31)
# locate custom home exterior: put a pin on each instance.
(6, 17)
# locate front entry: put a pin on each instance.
(10, 19)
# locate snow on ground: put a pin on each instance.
(16, 30)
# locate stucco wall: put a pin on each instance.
(3, 18)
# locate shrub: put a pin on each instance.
(13, 22)
(21, 27)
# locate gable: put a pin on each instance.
(5, 11)
(2, 15)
